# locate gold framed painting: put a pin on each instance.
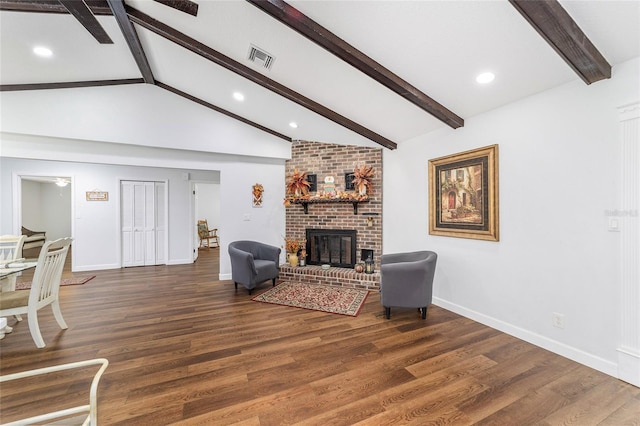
(463, 195)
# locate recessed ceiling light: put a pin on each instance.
(42, 51)
(485, 77)
(293, 125)
(238, 96)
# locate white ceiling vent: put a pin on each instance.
(260, 57)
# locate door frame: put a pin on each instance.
(195, 239)
(193, 209)
(16, 183)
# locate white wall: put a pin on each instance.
(32, 206)
(46, 207)
(57, 212)
(208, 203)
(130, 114)
(95, 224)
(559, 165)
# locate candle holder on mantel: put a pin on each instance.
(368, 265)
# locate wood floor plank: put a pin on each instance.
(595, 406)
(538, 405)
(628, 414)
(187, 349)
(528, 374)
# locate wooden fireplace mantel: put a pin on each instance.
(305, 203)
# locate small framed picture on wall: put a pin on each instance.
(348, 181)
(313, 182)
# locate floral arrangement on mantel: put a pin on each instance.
(298, 187)
(297, 183)
(362, 177)
(293, 245)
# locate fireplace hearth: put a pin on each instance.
(335, 247)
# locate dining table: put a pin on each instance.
(12, 268)
(8, 270)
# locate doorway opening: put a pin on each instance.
(206, 206)
(43, 205)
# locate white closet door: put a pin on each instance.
(139, 204)
(126, 203)
(143, 210)
(149, 223)
(161, 231)
(133, 220)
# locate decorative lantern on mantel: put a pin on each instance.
(368, 265)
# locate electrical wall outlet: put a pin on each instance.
(613, 224)
(557, 320)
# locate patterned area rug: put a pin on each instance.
(335, 300)
(67, 281)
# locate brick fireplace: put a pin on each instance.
(365, 218)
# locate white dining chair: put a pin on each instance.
(10, 251)
(44, 289)
(91, 409)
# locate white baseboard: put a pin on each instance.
(118, 266)
(574, 354)
(180, 261)
(96, 267)
(629, 366)
(223, 277)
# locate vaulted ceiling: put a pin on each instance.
(344, 71)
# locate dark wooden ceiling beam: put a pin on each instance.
(42, 6)
(98, 7)
(186, 6)
(221, 110)
(133, 41)
(564, 35)
(218, 58)
(84, 15)
(68, 85)
(320, 35)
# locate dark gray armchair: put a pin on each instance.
(253, 262)
(406, 280)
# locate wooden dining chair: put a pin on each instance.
(44, 289)
(207, 234)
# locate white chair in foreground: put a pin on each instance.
(10, 251)
(44, 289)
(91, 409)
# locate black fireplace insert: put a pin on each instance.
(335, 247)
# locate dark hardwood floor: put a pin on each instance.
(186, 349)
